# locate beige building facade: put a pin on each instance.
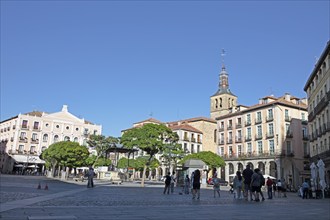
(25, 136)
(271, 135)
(318, 93)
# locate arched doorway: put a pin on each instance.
(273, 169)
(251, 165)
(261, 167)
(231, 171)
(240, 167)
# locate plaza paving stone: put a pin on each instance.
(73, 200)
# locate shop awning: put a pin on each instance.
(27, 159)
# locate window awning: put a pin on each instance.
(27, 159)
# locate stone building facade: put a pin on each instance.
(318, 93)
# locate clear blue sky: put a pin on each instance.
(117, 62)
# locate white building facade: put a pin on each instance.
(25, 136)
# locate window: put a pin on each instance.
(22, 136)
(32, 149)
(55, 138)
(24, 124)
(303, 116)
(271, 147)
(222, 151)
(259, 131)
(230, 150)
(192, 149)
(75, 139)
(288, 147)
(258, 116)
(34, 137)
(66, 138)
(45, 138)
(95, 132)
(222, 125)
(270, 114)
(67, 127)
(286, 112)
(36, 125)
(287, 128)
(239, 150)
(198, 148)
(57, 126)
(249, 133)
(248, 119)
(249, 148)
(271, 129)
(77, 129)
(185, 147)
(20, 148)
(260, 147)
(43, 148)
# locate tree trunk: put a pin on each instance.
(143, 175)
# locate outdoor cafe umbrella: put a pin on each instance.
(313, 173)
(320, 165)
(271, 177)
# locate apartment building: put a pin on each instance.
(271, 135)
(25, 136)
(318, 93)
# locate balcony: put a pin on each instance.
(269, 135)
(305, 137)
(238, 140)
(193, 139)
(25, 127)
(199, 141)
(249, 138)
(304, 122)
(258, 121)
(247, 123)
(23, 140)
(229, 127)
(36, 128)
(186, 139)
(14, 127)
(221, 142)
(35, 141)
(258, 136)
(239, 125)
(229, 141)
(287, 118)
(269, 118)
(221, 129)
(307, 156)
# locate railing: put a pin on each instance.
(238, 139)
(229, 141)
(258, 121)
(229, 127)
(251, 155)
(269, 135)
(25, 127)
(193, 139)
(269, 118)
(221, 129)
(248, 138)
(305, 137)
(247, 123)
(239, 125)
(287, 118)
(221, 142)
(258, 136)
(289, 134)
(36, 141)
(36, 128)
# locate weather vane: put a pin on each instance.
(223, 54)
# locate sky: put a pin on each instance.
(115, 63)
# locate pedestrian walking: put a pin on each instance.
(237, 184)
(274, 188)
(284, 187)
(247, 175)
(262, 183)
(269, 184)
(216, 185)
(90, 183)
(186, 184)
(305, 189)
(196, 184)
(256, 184)
(167, 183)
(279, 188)
(173, 180)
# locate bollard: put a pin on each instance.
(46, 187)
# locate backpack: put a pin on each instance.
(262, 180)
(168, 180)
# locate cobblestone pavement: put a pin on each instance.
(22, 200)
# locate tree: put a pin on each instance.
(101, 145)
(65, 153)
(149, 138)
(211, 159)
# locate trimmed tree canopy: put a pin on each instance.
(209, 158)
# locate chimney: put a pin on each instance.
(287, 97)
(65, 108)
